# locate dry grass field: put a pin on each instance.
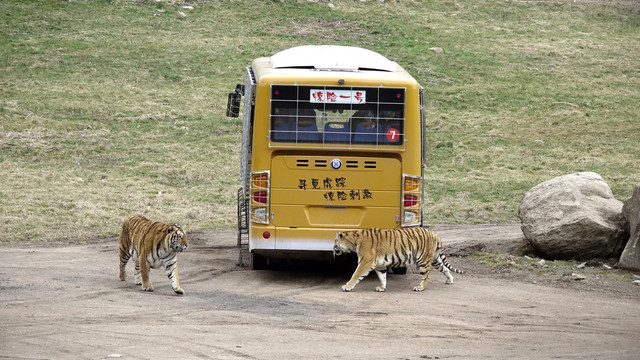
(109, 108)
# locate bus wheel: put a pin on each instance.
(259, 262)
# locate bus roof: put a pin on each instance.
(331, 57)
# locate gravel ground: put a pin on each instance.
(68, 303)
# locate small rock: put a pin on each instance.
(437, 50)
(607, 266)
(113, 356)
(542, 262)
(636, 282)
(582, 266)
(330, 5)
(577, 277)
(187, 7)
(181, 15)
(636, 277)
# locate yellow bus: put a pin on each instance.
(332, 139)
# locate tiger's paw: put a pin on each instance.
(123, 277)
(179, 291)
(418, 288)
(449, 282)
(380, 289)
(345, 288)
(147, 288)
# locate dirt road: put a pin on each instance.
(68, 303)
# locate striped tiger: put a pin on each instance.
(380, 249)
(157, 244)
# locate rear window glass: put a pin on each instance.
(337, 115)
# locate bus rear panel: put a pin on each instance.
(326, 150)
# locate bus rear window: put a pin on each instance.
(337, 115)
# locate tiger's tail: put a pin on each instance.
(440, 262)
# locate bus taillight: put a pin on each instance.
(411, 183)
(260, 180)
(411, 200)
(260, 197)
(259, 206)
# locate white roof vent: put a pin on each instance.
(331, 57)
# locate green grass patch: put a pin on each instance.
(505, 261)
(109, 108)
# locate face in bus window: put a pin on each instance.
(364, 119)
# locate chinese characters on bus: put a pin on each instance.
(335, 189)
(338, 96)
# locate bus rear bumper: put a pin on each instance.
(292, 240)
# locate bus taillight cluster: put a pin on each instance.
(412, 199)
(260, 197)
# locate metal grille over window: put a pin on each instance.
(322, 116)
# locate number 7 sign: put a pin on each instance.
(393, 134)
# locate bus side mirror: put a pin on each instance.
(233, 104)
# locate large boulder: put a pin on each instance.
(630, 258)
(573, 217)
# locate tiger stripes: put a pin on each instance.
(157, 244)
(380, 249)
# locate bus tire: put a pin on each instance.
(259, 262)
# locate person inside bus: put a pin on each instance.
(282, 128)
(366, 127)
(307, 130)
(392, 128)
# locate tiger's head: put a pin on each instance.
(343, 244)
(177, 238)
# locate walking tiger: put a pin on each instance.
(152, 244)
(379, 249)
